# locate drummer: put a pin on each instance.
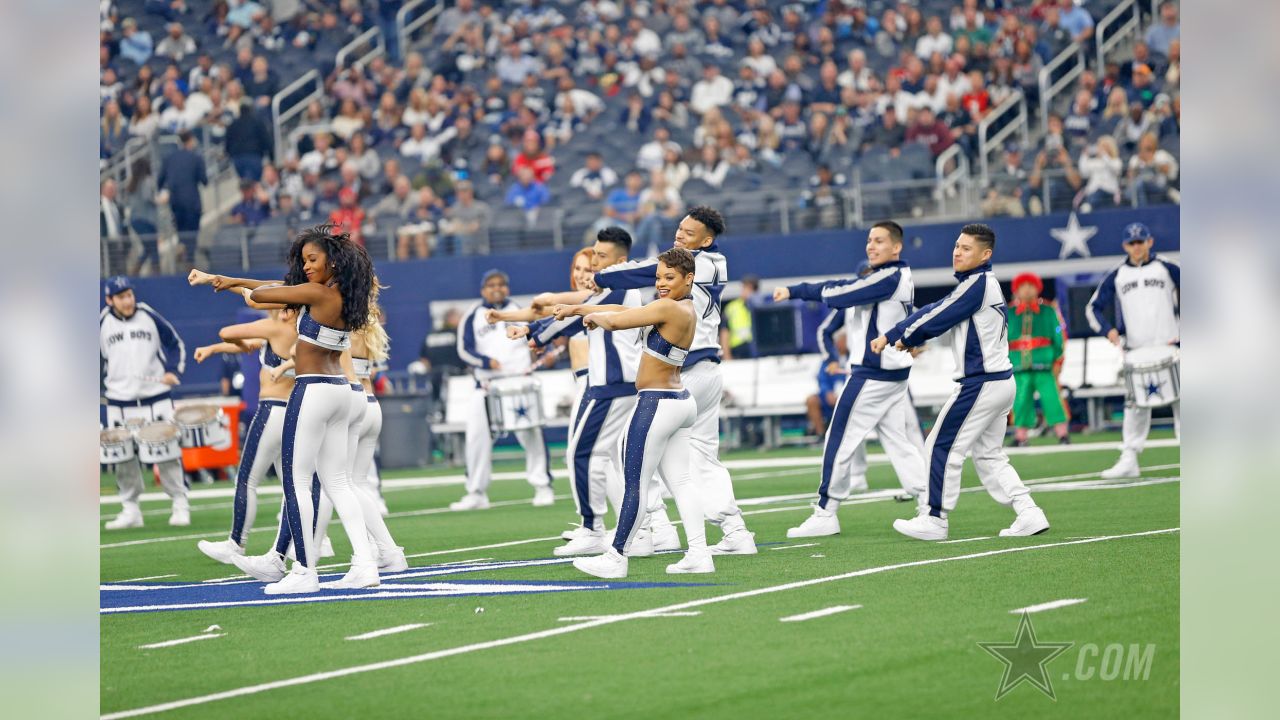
(141, 358)
(1144, 292)
(492, 355)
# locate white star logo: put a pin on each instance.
(1074, 238)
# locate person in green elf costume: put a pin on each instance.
(1035, 349)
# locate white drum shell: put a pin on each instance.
(1152, 377)
(514, 403)
(202, 426)
(114, 446)
(158, 442)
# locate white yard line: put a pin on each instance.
(181, 641)
(388, 631)
(1048, 606)
(588, 618)
(802, 461)
(969, 539)
(149, 577)
(566, 629)
(792, 547)
(818, 613)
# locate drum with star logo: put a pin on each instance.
(1151, 376)
(514, 403)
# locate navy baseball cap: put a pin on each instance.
(117, 285)
(489, 274)
(1135, 232)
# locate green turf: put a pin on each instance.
(911, 649)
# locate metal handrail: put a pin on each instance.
(1016, 102)
(406, 27)
(280, 118)
(371, 37)
(1049, 88)
(1105, 40)
(950, 182)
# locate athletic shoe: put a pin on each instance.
(609, 565)
(180, 517)
(1019, 443)
(543, 496)
(1029, 522)
(923, 527)
(641, 544)
(326, 547)
(859, 486)
(1064, 440)
(736, 542)
(665, 538)
(694, 561)
(267, 568)
(578, 531)
(471, 501)
(301, 579)
(1125, 467)
(820, 524)
(592, 544)
(393, 561)
(363, 574)
(129, 517)
(220, 551)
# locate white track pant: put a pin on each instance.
(856, 467)
(706, 384)
(595, 456)
(657, 436)
(866, 403)
(129, 473)
(315, 441)
(479, 450)
(973, 423)
(1137, 425)
(261, 449)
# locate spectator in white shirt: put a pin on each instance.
(1101, 167)
(760, 61)
(934, 40)
(321, 158)
(652, 154)
(424, 148)
(713, 90)
(711, 168)
(858, 76)
(595, 177)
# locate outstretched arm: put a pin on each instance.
(563, 311)
(204, 352)
(304, 294)
(222, 282)
(571, 297)
(934, 319)
(256, 330)
(518, 315)
(621, 317)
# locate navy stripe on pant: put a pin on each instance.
(633, 466)
(835, 433)
(948, 427)
(247, 458)
(586, 444)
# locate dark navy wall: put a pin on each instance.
(198, 313)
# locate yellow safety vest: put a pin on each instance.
(738, 316)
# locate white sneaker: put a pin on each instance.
(820, 524)
(220, 551)
(608, 565)
(267, 568)
(641, 544)
(1029, 522)
(859, 486)
(393, 561)
(326, 547)
(180, 517)
(737, 542)
(923, 527)
(578, 531)
(591, 544)
(1125, 467)
(694, 561)
(129, 517)
(665, 538)
(471, 501)
(301, 579)
(363, 574)
(544, 496)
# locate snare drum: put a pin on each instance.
(1151, 376)
(133, 425)
(115, 445)
(514, 403)
(202, 426)
(158, 442)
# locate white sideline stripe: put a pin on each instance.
(149, 577)
(1048, 606)
(409, 591)
(181, 641)
(801, 461)
(819, 613)
(969, 539)
(388, 631)
(585, 618)
(792, 547)
(566, 629)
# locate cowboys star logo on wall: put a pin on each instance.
(1074, 237)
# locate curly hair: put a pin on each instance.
(678, 259)
(710, 218)
(352, 270)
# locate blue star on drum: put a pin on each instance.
(1153, 388)
(522, 411)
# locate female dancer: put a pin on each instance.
(273, 337)
(329, 279)
(657, 434)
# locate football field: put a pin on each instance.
(487, 623)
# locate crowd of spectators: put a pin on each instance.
(617, 106)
